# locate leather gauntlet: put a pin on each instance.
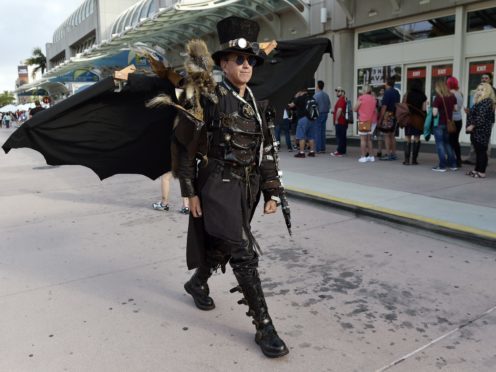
(187, 187)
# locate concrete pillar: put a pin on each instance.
(345, 75)
(339, 72)
(459, 44)
(344, 61)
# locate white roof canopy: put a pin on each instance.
(172, 26)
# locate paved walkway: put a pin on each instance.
(92, 277)
(450, 203)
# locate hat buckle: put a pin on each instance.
(242, 43)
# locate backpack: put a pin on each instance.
(312, 109)
(349, 112)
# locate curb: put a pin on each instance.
(428, 147)
(462, 232)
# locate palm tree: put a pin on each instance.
(6, 98)
(38, 59)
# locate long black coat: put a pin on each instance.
(227, 207)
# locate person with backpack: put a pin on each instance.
(340, 122)
(387, 119)
(307, 112)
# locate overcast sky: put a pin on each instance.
(24, 25)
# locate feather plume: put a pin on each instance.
(199, 65)
(161, 99)
(199, 81)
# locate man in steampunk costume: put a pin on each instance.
(222, 149)
(223, 168)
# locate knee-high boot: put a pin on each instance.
(266, 336)
(408, 150)
(197, 287)
(416, 148)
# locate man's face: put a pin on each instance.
(485, 79)
(339, 93)
(238, 68)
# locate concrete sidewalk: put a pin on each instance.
(448, 203)
(92, 278)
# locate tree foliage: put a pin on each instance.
(6, 98)
(38, 59)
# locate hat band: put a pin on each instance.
(242, 43)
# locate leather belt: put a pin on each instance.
(231, 170)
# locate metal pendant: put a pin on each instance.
(222, 90)
(248, 111)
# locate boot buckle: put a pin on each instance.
(242, 302)
(236, 289)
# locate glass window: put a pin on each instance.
(376, 77)
(477, 70)
(436, 27)
(479, 20)
(439, 73)
(416, 73)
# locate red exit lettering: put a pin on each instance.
(483, 68)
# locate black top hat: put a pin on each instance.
(238, 35)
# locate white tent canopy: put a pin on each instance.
(8, 108)
(14, 108)
(25, 106)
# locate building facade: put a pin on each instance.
(374, 39)
(426, 40)
(84, 28)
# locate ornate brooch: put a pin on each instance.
(248, 111)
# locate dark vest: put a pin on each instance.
(235, 136)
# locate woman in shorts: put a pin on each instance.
(366, 107)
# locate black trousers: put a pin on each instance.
(341, 131)
(455, 143)
(480, 157)
(241, 256)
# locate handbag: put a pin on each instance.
(402, 114)
(388, 122)
(450, 124)
(417, 118)
(364, 126)
(430, 123)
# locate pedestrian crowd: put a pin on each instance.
(8, 118)
(381, 116)
(17, 118)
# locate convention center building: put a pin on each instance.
(372, 40)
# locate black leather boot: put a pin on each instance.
(266, 336)
(416, 148)
(408, 150)
(269, 341)
(197, 287)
